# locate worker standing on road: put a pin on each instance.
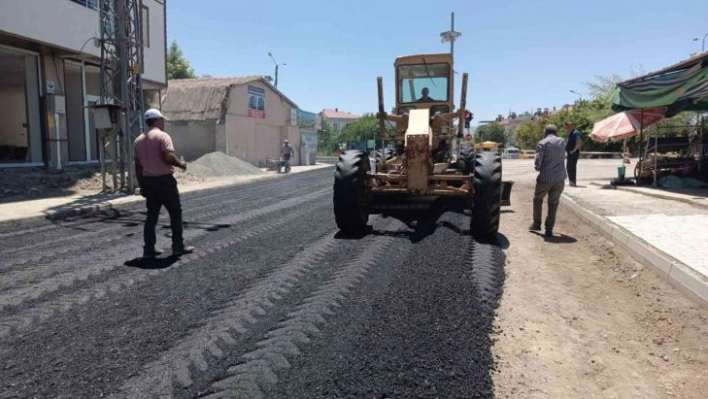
(551, 178)
(155, 160)
(572, 148)
(286, 151)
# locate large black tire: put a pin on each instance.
(487, 195)
(467, 157)
(350, 203)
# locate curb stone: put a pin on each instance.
(126, 200)
(630, 189)
(676, 273)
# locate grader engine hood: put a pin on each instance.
(418, 144)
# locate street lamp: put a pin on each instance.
(575, 92)
(276, 68)
(703, 44)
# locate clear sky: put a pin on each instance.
(520, 54)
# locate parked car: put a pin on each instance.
(528, 154)
(511, 153)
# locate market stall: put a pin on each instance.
(647, 99)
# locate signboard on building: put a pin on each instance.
(256, 102)
(305, 119)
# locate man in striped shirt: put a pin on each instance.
(550, 163)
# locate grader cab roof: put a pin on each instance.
(418, 58)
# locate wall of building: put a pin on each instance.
(192, 139)
(39, 21)
(253, 139)
(154, 55)
(71, 26)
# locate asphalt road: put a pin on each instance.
(275, 303)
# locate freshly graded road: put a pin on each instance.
(274, 303)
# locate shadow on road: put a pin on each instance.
(152, 264)
(557, 238)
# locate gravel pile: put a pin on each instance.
(218, 164)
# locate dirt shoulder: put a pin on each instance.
(580, 318)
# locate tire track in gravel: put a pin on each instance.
(210, 346)
(114, 233)
(35, 280)
(190, 201)
(485, 267)
(43, 311)
(258, 372)
(217, 334)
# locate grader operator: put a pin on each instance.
(423, 170)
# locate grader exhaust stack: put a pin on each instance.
(422, 169)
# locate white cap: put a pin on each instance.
(154, 113)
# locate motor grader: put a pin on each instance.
(423, 169)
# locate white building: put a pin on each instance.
(50, 71)
(338, 119)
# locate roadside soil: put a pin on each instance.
(21, 184)
(579, 318)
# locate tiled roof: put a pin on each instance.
(202, 98)
(337, 114)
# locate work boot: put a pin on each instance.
(151, 253)
(177, 251)
(535, 227)
(549, 233)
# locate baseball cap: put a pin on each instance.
(154, 113)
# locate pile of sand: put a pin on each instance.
(218, 164)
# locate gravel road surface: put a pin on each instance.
(274, 303)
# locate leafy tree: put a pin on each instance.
(365, 128)
(177, 66)
(493, 131)
(326, 140)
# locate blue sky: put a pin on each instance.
(520, 54)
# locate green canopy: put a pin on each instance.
(680, 87)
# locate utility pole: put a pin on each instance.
(276, 68)
(121, 78)
(451, 36)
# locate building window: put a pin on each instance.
(335, 127)
(145, 21)
(92, 4)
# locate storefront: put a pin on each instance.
(82, 83)
(20, 112)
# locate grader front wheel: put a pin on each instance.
(486, 207)
(350, 210)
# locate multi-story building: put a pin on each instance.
(338, 119)
(50, 72)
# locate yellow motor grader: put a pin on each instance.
(422, 169)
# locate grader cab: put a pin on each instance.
(422, 169)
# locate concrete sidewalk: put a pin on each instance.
(12, 213)
(665, 231)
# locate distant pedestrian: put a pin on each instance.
(286, 151)
(154, 167)
(572, 149)
(551, 178)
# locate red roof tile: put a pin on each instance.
(337, 114)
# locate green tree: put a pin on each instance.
(365, 128)
(177, 66)
(326, 140)
(493, 131)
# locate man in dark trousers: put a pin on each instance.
(286, 152)
(572, 149)
(155, 160)
(550, 154)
